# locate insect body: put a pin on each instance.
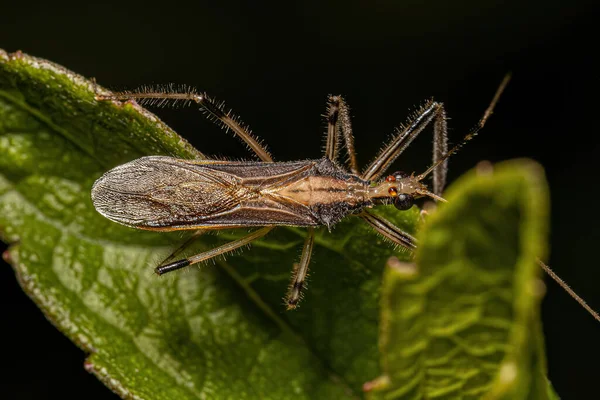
(164, 193)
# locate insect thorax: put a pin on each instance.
(330, 193)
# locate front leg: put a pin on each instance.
(431, 111)
(389, 231)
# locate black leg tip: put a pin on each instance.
(163, 269)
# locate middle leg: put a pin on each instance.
(294, 293)
(338, 120)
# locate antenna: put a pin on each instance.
(568, 289)
(472, 133)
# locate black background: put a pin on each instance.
(275, 64)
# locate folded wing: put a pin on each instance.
(165, 193)
(158, 192)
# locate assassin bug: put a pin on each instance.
(163, 193)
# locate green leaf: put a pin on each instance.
(217, 331)
(465, 326)
(465, 321)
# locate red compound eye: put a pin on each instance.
(393, 191)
